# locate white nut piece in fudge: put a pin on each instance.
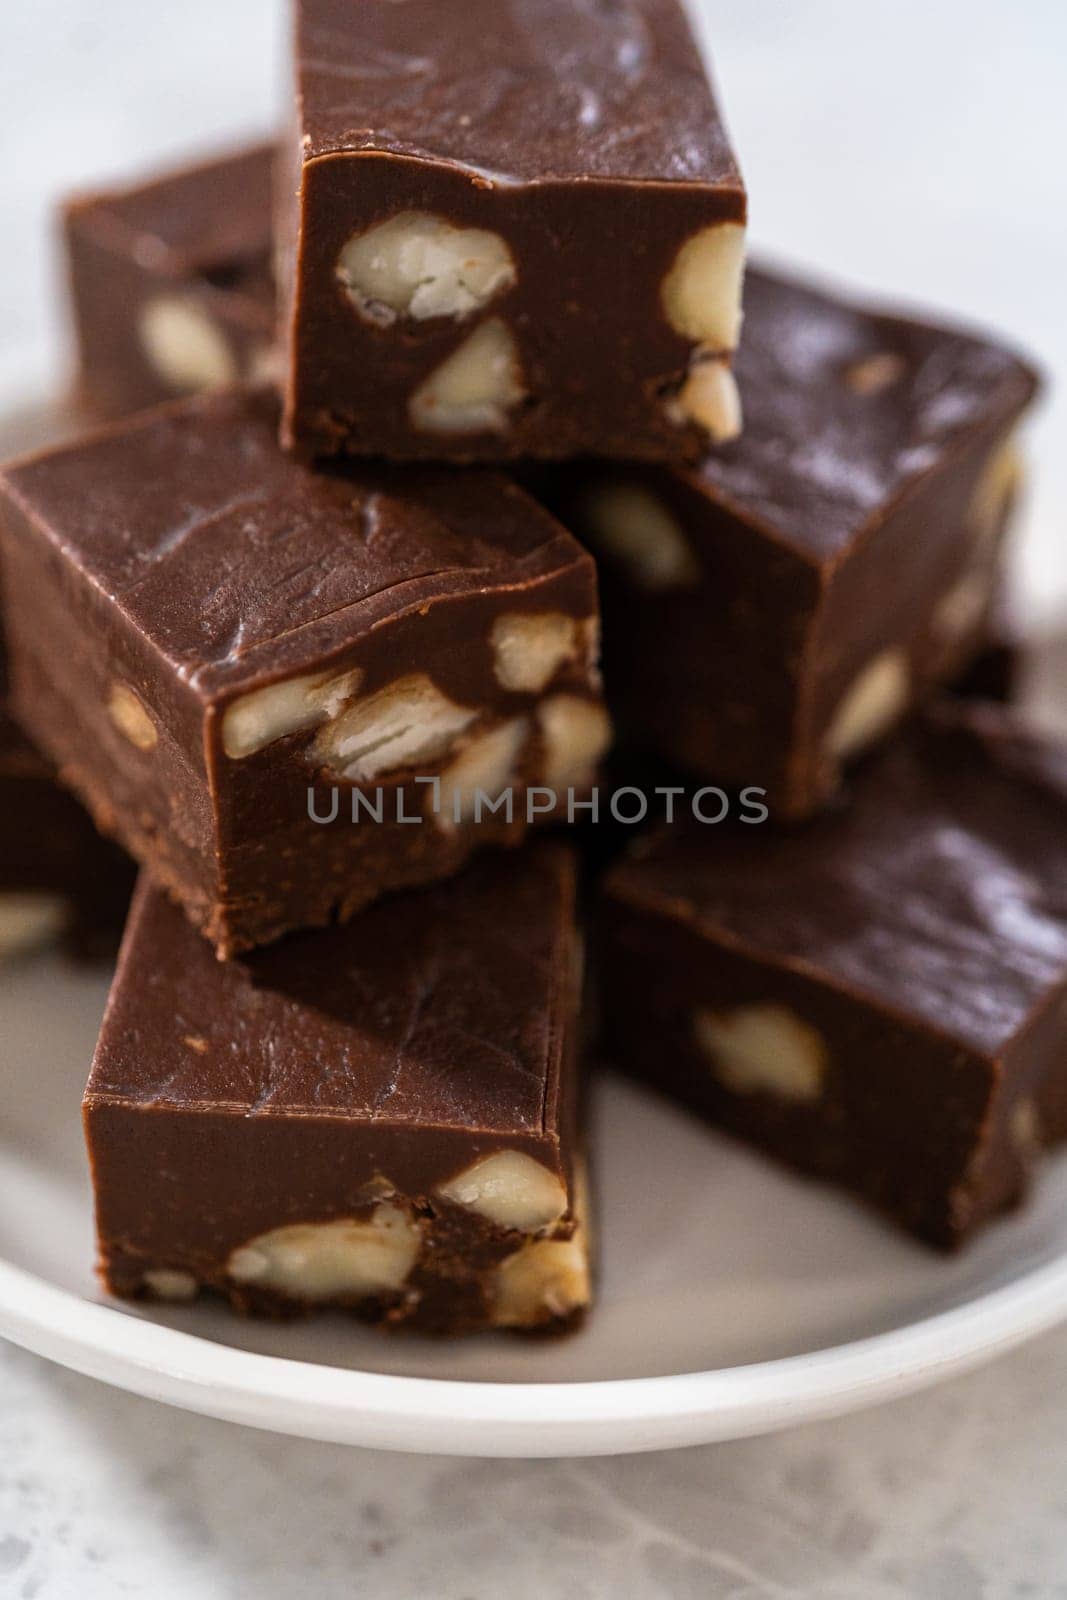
(709, 397)
(171, 1283)
(547, 1278)
(875, 373)
(632, 524)
(184, 346)
(957, 614)
(875, 699)
(702, 291)
(475, 389)
(408, 721)
(529, 648)
(271, 713)
(576, 734)
(30, 919)
(1024, 1127)
(420, 265)
(764, 1049)
(1000, 480)
(511, 1189)
(483, 772)
(128, 713)
(338, 1260)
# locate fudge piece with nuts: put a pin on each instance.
(509, 230)
(288, 691)
(880, 997)
(383, 1116)
(811, 582)
(171, 284)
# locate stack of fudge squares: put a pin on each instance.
(310, 624)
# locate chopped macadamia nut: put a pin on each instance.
(167, 1283)
(331, 1260)
(1000, 481)
(709, 397)
(130, 717)
(185, 347)
(870, 706)
(259, 718)
(29, 919)
(631, 523)
(545, 1278)
(396, 727)
(511, 1189)
(702, 290)
(958, 613)
(763, 1050)
(875, 373)
(419, 265)
(576, 733)
(548, 1277)
(474, 390)
(530, 647)
(481, 773)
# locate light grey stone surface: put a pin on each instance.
(959, 1494)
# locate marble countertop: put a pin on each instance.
(908, 146)
(957, 1494)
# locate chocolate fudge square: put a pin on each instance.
(507, 230)
(170, 282)
(880, 998)
(287, 691)
(773, 612)
(383, 1117)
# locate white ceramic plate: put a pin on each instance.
(734, 1299)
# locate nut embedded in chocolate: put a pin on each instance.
(529, 647)
(421, 266)
(340, 1260)
(872, 703)
(511, 1189)
(279, 709)
(763, 1050)
(184, 347)
(475, 389)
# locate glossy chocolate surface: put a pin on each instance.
(238, 564)
(522, 92)
(441, 1008)
(822, 459)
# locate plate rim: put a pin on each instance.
(464, 1417)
